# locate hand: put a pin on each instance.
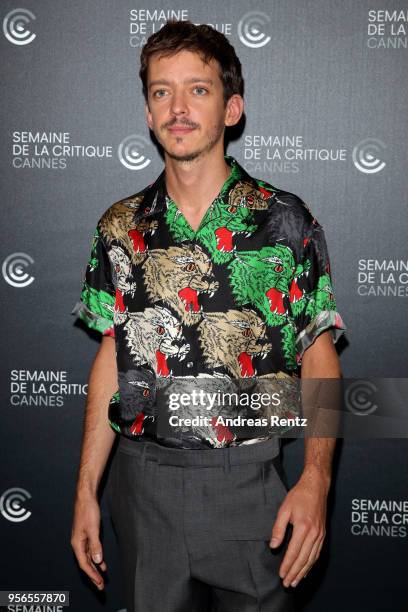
(305, 508)
(85, 539)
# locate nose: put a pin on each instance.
(178, 104)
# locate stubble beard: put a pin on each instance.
(193, 155)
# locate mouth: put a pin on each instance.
(246, 366)
(189, 298)
(162, 368)
(275, 298)
(180, 130)
(224, 239)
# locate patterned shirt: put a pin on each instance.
(238, 300)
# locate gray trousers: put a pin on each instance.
(193, 527)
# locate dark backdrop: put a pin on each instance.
(326, 103)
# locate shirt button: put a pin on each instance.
(190, 364)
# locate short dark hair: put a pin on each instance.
(177, 36)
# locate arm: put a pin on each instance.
(98, 436)
(320, 361)
(305, 504)
(97, 441)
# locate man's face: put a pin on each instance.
(185, 106)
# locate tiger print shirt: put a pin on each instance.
(233, 305)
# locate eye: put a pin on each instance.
(246, 332)
(232, 209)
(201, 89)
(146, 392)
(156, 94)
(160, 330)
(278, 268)
(190, 267)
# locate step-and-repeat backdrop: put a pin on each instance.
(326, 104)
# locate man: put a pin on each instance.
(206, 275)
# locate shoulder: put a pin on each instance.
(115, 220)
(279, 198)
(294, 209)
(125, 206)
(290, 218)
(286, 203)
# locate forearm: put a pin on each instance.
(318, 458)
(98, 436)
(320, 361)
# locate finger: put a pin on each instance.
(314, 553)
(279, 527)
(85, 563)
(99, 583)
(95, 548)
(301, 564)
(313, 560)
(102, 565)
(320, 545)
(295, 544)
(95, 554)
(306, 553)
(298, 557)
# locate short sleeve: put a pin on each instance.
(311, 294)
(97, 299)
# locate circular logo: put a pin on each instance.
(130, 152)
(12, 504)
(13, 269)
(358, 397)
(15, 26)
(367, 155)
(251, 29)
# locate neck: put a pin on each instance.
(193, 185)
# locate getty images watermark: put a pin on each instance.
(219, 401)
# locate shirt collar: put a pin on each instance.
(154, 200)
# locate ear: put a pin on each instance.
(234, 109)
(148, 114)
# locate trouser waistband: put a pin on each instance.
(235, 455)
